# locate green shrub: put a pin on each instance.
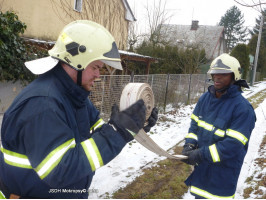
(241, 53)
(13, 49)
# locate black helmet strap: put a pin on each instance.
(79, 78)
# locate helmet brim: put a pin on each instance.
(114, 64)
(219, 71)
(41, 65)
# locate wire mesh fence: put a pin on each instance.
(172, 89)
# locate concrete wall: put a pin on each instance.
(8, 92)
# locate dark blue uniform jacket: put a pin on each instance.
(221, 128)
(47, 149)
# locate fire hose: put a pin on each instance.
(130, 94)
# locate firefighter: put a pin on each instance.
(53, 138)
(218, 137)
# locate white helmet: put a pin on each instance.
(224, 64)
(80, 43)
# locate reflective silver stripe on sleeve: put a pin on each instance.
(237, 135)
(16, 159)
(92, 153)
(214, 153)
(192, 136)
(2, 196)
(220, 132)
(194, 117)
(98, 124)
(53, 158)
(205, 125)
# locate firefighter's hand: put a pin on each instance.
(130, 121)
(188, 148)
(152, 120)
(194, 157)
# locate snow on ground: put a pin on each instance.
(250, 168)
(170, 130)
(254, 89)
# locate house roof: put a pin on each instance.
(129, 14)
(208, 37)
(126, 54)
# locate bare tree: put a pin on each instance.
(256, 4)
(134, 36)
(156, 16)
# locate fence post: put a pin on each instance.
(206, 76)
(103, 94)
(167, 81)
(188, 95)
(132, 77)
(152, 80)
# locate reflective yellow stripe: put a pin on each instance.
(2, 196)
(237, 135)
(208, 195)
(92, 153)
(202, 123)
(98, 124)
(194, 117)
(205, 125)
(214, 153)
(131, 132)
(53, 158)
(220, 132)
(16, 159)
(192, 136)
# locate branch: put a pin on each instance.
(246, 5)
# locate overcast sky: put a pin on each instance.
(207, 12)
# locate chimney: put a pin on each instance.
(194, 25)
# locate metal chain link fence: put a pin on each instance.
(175, 89)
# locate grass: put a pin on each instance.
(164, 181)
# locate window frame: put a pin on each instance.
(78, 5)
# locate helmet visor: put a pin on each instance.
(114, 64)
(219, 71)
(41, 65)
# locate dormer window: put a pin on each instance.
(78, 5)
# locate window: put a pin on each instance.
(78, 5)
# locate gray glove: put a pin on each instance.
(129, 121)
(152, 120)
(194, 157)
(188, 148)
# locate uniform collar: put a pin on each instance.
(76, 93)
(232, 91)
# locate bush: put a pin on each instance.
(241, 53)
(261, 67)
(13, 49)
(172, 59)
